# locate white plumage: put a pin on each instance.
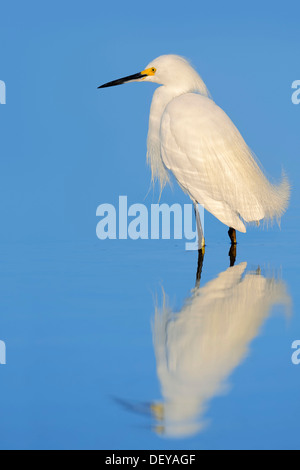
(193, 138)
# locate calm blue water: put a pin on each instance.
(80, 328)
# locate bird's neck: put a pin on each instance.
(161, 98)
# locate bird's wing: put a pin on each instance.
(210, 159)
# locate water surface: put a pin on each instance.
(111, 345)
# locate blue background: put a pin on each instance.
(76, 312)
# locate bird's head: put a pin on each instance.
(168, 70)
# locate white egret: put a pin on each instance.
(193, 138)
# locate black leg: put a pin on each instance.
(200, 266)
(232, 255)
(232, 235)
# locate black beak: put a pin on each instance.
(120, 81)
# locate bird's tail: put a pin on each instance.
(278, 199)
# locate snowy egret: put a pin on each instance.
(193, 138)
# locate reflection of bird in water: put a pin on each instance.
(197, 348)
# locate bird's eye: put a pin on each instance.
(153, 70)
